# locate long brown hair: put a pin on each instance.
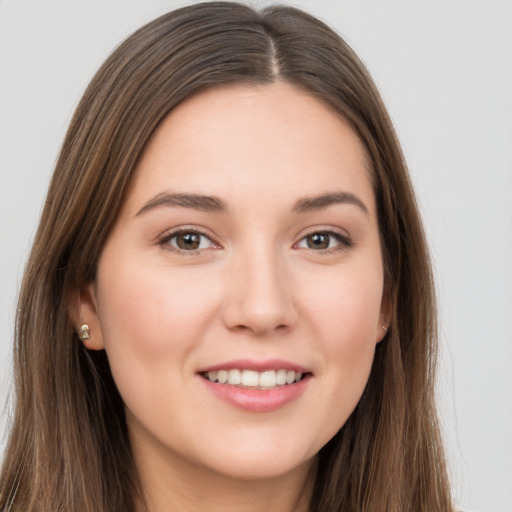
(68, 448)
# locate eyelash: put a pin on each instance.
(344, 241)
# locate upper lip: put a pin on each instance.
(258, 366)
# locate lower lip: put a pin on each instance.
(258, 400)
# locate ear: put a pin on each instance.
(83, 309)
(385, 315)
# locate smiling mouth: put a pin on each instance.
(251, 379)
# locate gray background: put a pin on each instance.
(445, 71)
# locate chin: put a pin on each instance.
(246, 469)
(261, 458)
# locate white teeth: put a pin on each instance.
(281, 377)
(267, 379)
(234, 377)
(253, 379)
(250, 378)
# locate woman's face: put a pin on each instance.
(239, 295)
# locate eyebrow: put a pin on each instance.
(309, 204)
(194, 201)
(216, 205)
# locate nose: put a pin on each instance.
(260, 295)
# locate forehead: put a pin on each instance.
(248, 140)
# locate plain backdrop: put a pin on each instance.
(445, 71)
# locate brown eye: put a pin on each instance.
(324, 240)
(318, 241)
(188, 241)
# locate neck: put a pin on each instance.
(171, 483)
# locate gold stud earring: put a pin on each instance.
(385, 328)
(84, 333)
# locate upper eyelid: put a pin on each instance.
(325, 229)
(187, 229)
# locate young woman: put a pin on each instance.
(229, 303)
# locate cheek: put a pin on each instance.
(347, 321)
(151, 315)
(152, 320)
(348, 305)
